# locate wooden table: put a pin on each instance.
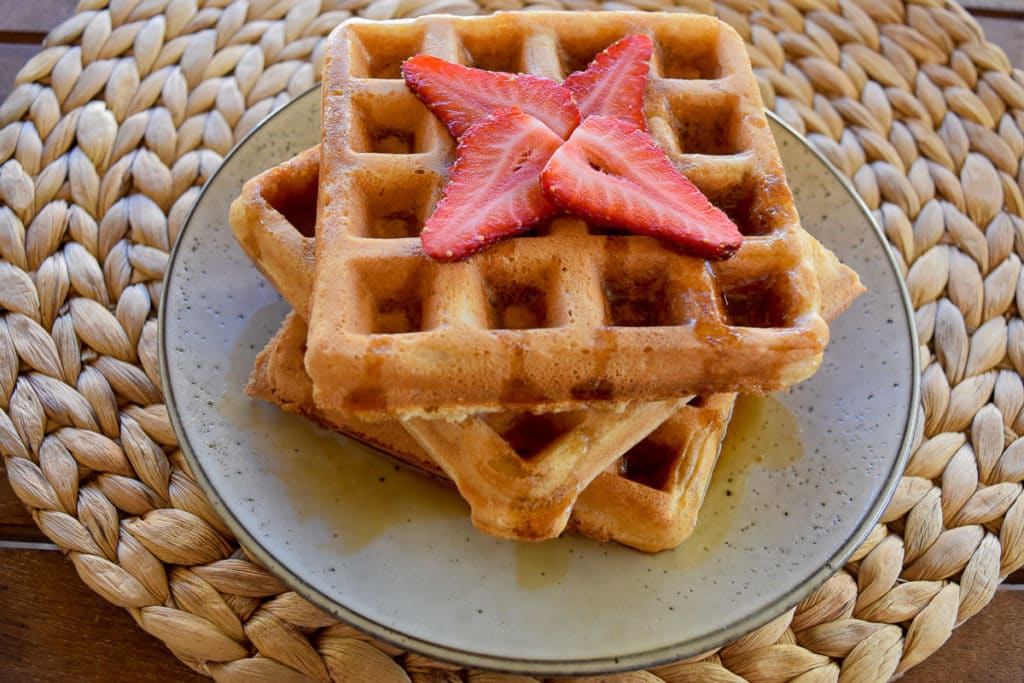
(54, 628)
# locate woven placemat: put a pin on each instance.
(132, 104)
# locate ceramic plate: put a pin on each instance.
(802, 478)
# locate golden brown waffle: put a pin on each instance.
(568, 313)
(522, 473)
(647, 497)
(274, 222)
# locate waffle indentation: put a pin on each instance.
(640, 296)
(394, 295)
(377, 51)
(688, 55)
(705, 125)
(497, 49)
(762, 302)
(743, 204)
(528, 434)
(518, 298)
(578, 48)
(297, 203)
(649, 463)
(394, 206)
(389, 125)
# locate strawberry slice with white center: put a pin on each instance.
(614, 82)
(494, 188)
(461, 96)
(611, 173)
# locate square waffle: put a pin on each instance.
(648, 466)
(568, 314)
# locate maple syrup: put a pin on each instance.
(541, 564)
(763, 433)
(357, 492)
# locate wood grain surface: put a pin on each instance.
(54, 628)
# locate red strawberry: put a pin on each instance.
(461, 96)
(614, 83)
(493, 189)
(610, 173)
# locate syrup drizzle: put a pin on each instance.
(348, 493)
(542, 564)
(763, 433)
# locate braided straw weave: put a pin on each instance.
(132, 104)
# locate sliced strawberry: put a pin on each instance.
(610, 173)
(614, 83)
(493, 189)
(461, 96)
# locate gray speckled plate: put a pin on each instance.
(801, 480)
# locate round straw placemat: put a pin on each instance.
(132, 104)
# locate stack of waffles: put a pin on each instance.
(570, 376)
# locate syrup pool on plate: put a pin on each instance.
(324, 471)
(762, 433)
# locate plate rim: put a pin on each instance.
(543, 667)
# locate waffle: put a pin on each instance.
(568, 314)
(652, 484)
